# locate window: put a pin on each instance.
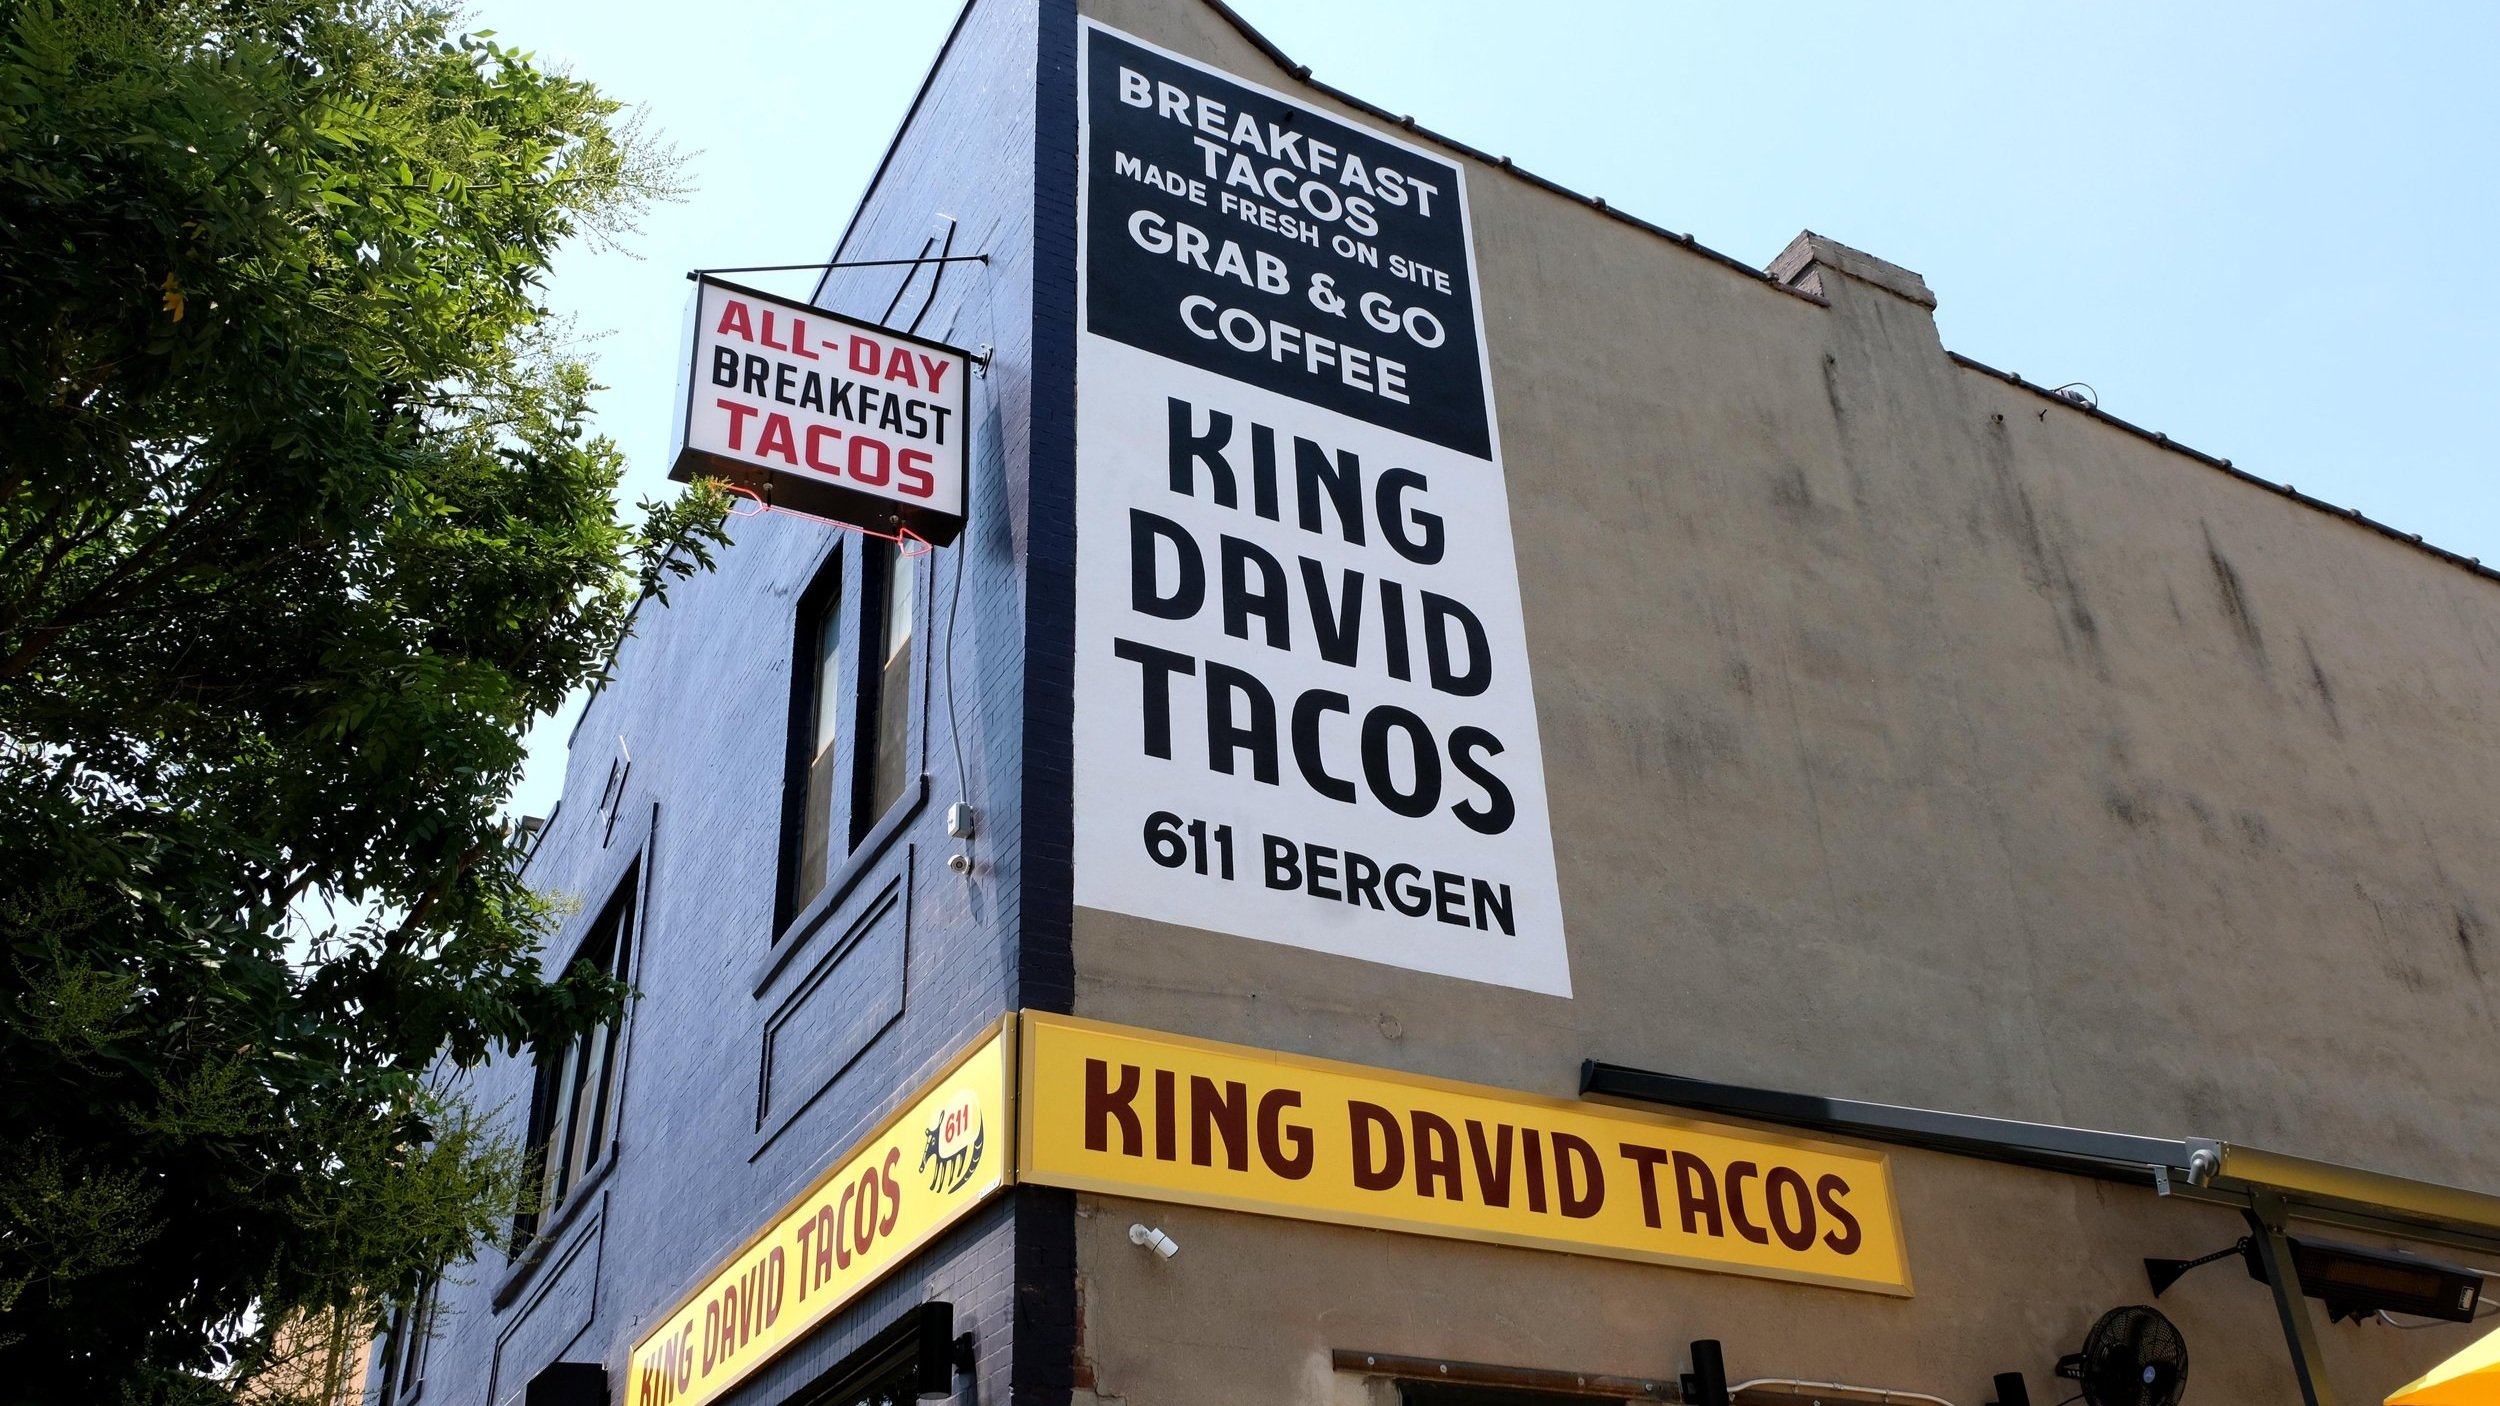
(821, 683)
(914, 1358)
(573, 1110)
(851, 713)
(401, 1369)
(881, 783)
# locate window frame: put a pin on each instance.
(402, 1356)
(825, 593)
(622, 921)
(852, 583)
(880, 570)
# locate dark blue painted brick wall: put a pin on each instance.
(700, 701)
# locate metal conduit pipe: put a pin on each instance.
(1870, 1393)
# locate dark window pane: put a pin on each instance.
(411, 1327)
(893, 717)
(570, 1115)
(564, 1079)
(824, 712)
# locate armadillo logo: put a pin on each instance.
(956, 1135)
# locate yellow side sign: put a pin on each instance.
(942, 1155)
(1138, 1113)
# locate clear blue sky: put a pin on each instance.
(2260, 228)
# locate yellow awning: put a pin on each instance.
(2471, 1378)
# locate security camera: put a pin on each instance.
(1154, 1240)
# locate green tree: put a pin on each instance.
(300, 528)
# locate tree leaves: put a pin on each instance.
(300, 527)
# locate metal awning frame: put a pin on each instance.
(2269, 1189)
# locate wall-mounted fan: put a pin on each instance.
(2132, 1357)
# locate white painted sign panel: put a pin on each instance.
(1303, 708)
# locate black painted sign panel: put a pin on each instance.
(1262, 241)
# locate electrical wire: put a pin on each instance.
(954, 723)
(1790, 1386)
(2481, 1302)
(981, 305)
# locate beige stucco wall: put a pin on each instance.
(2013, 1267)
(1909, 738)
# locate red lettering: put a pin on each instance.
(1738, 1173)
(865, 355)
(738, 416)
(733, 322)
(1829, 1189)
(1386, 1169)
(893, 1191)
(817, 434)
(860, 446)
(1436, 1154)
(841, 1243)
(1219, 1114)
(900, 369)
(1532, 1144)
(798, 339)
(1648, 1160)
(1167, 1117)
(777, 439)
(1696, 1195)
(807, 1232)
(767, 338)
(1493, 1163)
(936, 367)
(916, 480)
(864, 1214)
(1105, 1105)
(1796, 1234)
(1579, 1181)
(1275, 1133)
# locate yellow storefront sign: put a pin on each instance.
(943, 1154)
(1139, 1113)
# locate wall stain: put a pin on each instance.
(2132, 808)
(1791, 494)
(1840, 424)
(1740, 677)
(2391, 952)
(2234, 595)
(2326, 690)
(2255, 832)
(2047, 568)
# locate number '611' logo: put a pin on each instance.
(955, 1138)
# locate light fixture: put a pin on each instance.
(937, 1353)
(1153, 1239)
(2354, 1280)
(1706, 1384)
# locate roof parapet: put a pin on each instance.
(1802, 263)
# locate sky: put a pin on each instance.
(2255, 227)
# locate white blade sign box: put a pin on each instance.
(816, 413)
